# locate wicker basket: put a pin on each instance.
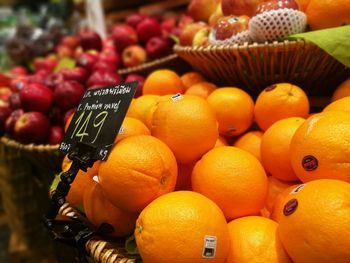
(25, 176)
(170, 62)
(253, 67)
(101, 251)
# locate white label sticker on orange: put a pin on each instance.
(177, 97)
(209, 247)
(297, 189)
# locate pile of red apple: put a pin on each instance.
(220, 22)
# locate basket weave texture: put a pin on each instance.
(25, 176)
(253, 67)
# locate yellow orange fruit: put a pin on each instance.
(202, 89)
(100, 212)
(141, 106)
(132, 127)
(303, 4)
(221, 141)
(254, 239)
(163, 82)
(68, 122)
(343, 90)
(138, 170)
(191, 78)
(174, 228)
(280, 101)
(81, 183)
(233, 178)
(187, 124)
(315, 223)
(250, 142)
(275, 146)
(323, 14)
(234, 110)
(275, 187)
(183, 181)
(320, 148)
(342, 104)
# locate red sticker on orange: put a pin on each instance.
(290, 207)
(309, 163)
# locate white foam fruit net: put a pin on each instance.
(240, 38)
(274, 24)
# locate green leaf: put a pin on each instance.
(66, 63)
(335, 41)
(55, 182)
(130, 246)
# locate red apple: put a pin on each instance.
(167, 25)
(275, 5)
(140, 79)
(104, 65)
(53, 79)
(239, 7)
(11, 121)
(67, 94)
(103, 79)
(147, 29)
(19, 71)
(36, 97)
(5, 112)
(4, 80)
(64, 51)
(39, 76)
(186, 37)
(5, 93)
(78, 74)
(90, 40)
(185, 20)
(134, 19)
(87, 60)
(18, 83)
(134, 56)
(56, 115)
(110, 56)
(108, 44)
(48, 63)
(15, 101)
(229, 26)
(32, 127)
(123, 35)
(56, 135)
(158, 47)
(201, 10)
(70, 41)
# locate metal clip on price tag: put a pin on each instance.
(90, 137)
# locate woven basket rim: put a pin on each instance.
(28, 147)
(147, 65)
(255, 45)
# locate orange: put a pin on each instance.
(183, 181)
(280, 101)
(140, 107)
(343, 90)
(184, 227)
(221, 141)
(81, 183)
(234, 110)
(202, 89)
(320, 148)
(187, 124)
(342, 104)
(233, 178)
(275, 187)
(191, 78)
(105, 216)
(138, 170)
(328, 13)
(303, 4)
(68, 122)
(131, 127)
(281, 199)
(275, 145)
(250, 142)
(253, 239)
(315, 225)
(163, 82)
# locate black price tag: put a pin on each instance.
(98, 118)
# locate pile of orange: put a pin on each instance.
(206, 174)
